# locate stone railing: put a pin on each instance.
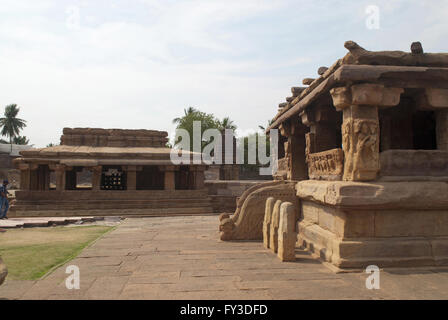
(326, 165)
(414, 163)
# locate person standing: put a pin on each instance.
(4, 203)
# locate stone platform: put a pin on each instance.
(109, 203)
(354, 225)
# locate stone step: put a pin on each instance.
(110, 204)
(113, 212)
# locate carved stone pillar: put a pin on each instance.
(360, 127)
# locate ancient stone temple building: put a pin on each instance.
(107, 172)
(365, 148)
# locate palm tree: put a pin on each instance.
(226, 123)
(10, 124)
(21, 140)
(187, 112)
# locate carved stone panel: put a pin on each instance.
(361, 149)
(326, 165)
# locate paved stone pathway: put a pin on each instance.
(182, 258)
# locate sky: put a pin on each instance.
(136, 64)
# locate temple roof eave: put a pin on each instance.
(401, 76)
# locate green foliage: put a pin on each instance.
(11, 125)
(51, 144)
(21, 140)
(208, 121)
(226, 123)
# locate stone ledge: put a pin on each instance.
(382, 195)
(383, 252)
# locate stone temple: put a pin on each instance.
(108, 172)
(363, 160)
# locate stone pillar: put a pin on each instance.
(60, 173)
(287, 235)
(169, 180)
(442, 129)
(360, 128)
(294, 149)
(25, 176)
(273, 234)
(70, 179)
(267, 221)
(97, 172)
(197, 177)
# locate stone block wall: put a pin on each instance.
(225, 194)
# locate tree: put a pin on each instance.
(208, 121)
(187, 112)
(269, 124)
(21, 140)
(51, 144)
(10, 124)
(226, 123)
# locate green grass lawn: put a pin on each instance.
(31, 253)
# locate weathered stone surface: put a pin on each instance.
(287, 235)
(321, 70)
(360, 141)
(359, 55)
(296, 91)
(379, 195)
(417, 48)
(273, 233)
(247, 222)
(327, 165)
(414, 163)
(442, 129)
(3, 271)
(267, 221)
(436, 98)
(308, 81)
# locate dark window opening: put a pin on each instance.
(150, 178)
(424, 130)
(405, 128)
(113, 178)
